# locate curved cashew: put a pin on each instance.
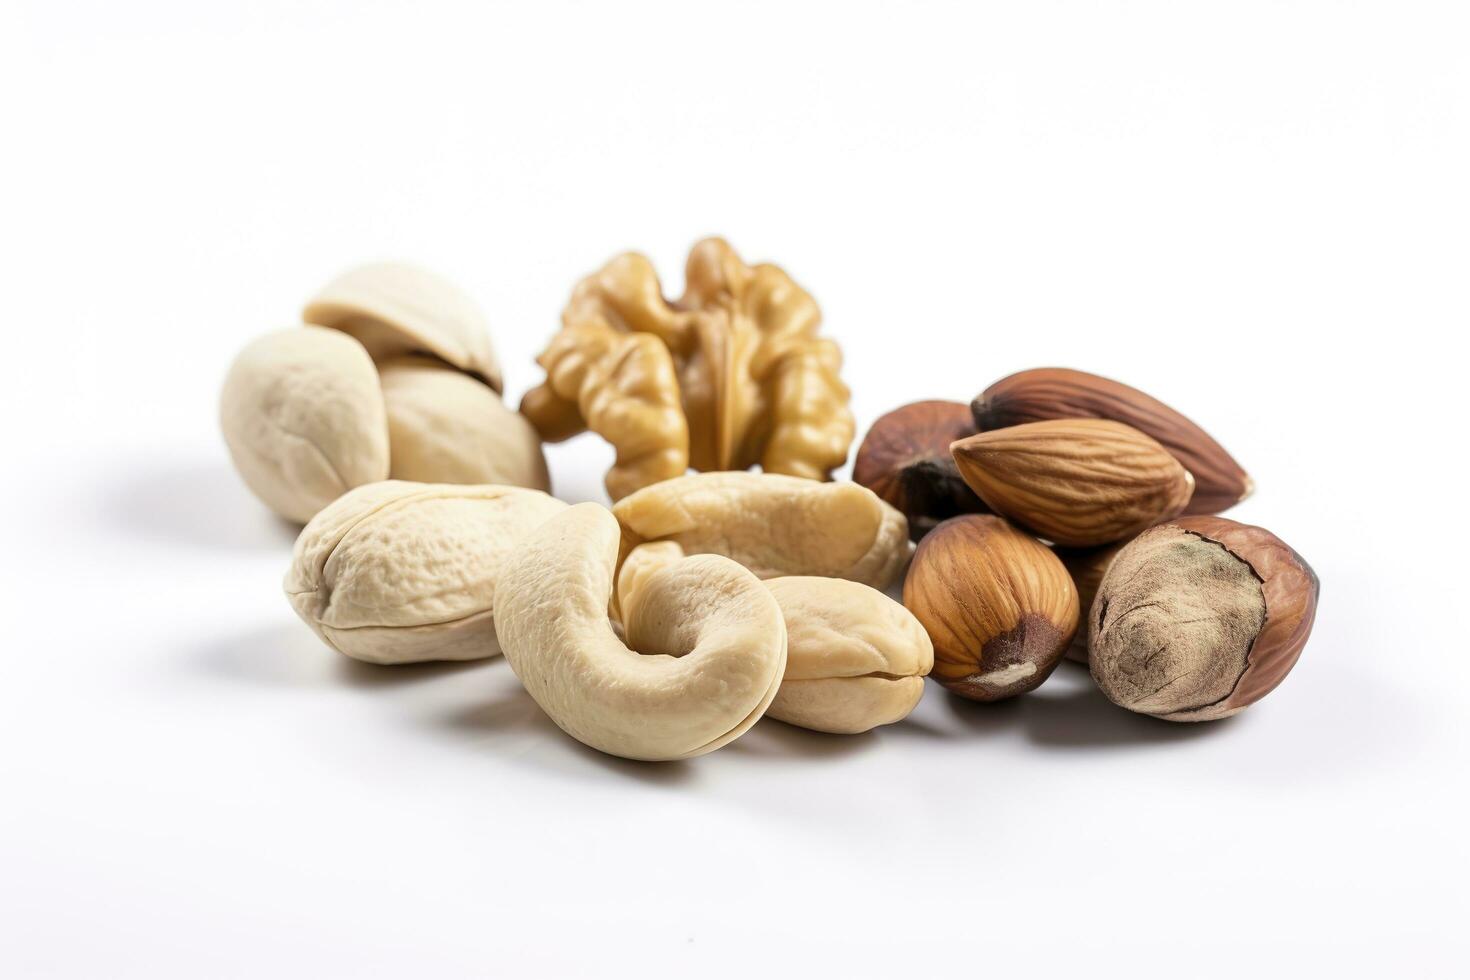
(710, 642)
(774, 525)
(855, 659)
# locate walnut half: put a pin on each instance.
(731, 375)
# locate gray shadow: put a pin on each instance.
(288, 654)
(202, 505)
(515, 713)
(772, 738)
(1069, 712)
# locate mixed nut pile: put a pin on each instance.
(1059, 514)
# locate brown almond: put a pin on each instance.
(1075, 482)
(1061, 393)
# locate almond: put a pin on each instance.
(1077, 482)
(1060, 393)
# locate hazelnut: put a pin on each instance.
(1198, 618)
(997, 603)
(905, 459)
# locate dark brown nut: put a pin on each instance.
(1077, 482)
(997, 603)
(1061, 393)
(905, 459)
(1087, 566)
(1198, 618)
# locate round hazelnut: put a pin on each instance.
(999, 606)
(905, 459)
(1198, 618)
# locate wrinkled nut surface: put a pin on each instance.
(1077, 482)
(905, 460)
(709, 639)
(396, 309)
(1199, 618)
(304, 419)
(396, 572)
(999, 606)
(1061, 393)
(731, 375)
(855, 658)
(1087, 566)
(773, 525)
(445, 426)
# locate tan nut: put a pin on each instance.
(445, 426)
(732, 375)
(398, 572)
(855, 658)
(304, 420)
(773, 525)
(399, 309)
(708, 644)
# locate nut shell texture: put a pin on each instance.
(1060, 393)
(905, 460)
(855, 658)
(399, 309)
(1079, 482)
(997, 603)
(398, 572)
(304, 419)
(1087, 566)
(445, 426)
(773, 525)
(710, 639)
(1199, 618)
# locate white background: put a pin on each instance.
(1258, 212)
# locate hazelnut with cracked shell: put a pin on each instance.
(905, 459)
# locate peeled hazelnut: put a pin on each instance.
(1198, 618)
(1078, 482)
(1087, 566)
(1060, 393)
(997, 603)
(905, 459)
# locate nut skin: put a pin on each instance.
(999, 607)
(1087, 566)
(1075, 482)
(1061, 393)
(905, 460)
(1276, 577)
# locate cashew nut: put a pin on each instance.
(708, 644)
(774, 525)
(304, 419)
(398, 572)
(447, 427)
(855, 659)
(399, 309)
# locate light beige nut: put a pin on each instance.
(731, 375)
(445, 426)
(400, 309)
(304, 420)
(855, 658)
(399, 572)
(773, 525)
(708, 644)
